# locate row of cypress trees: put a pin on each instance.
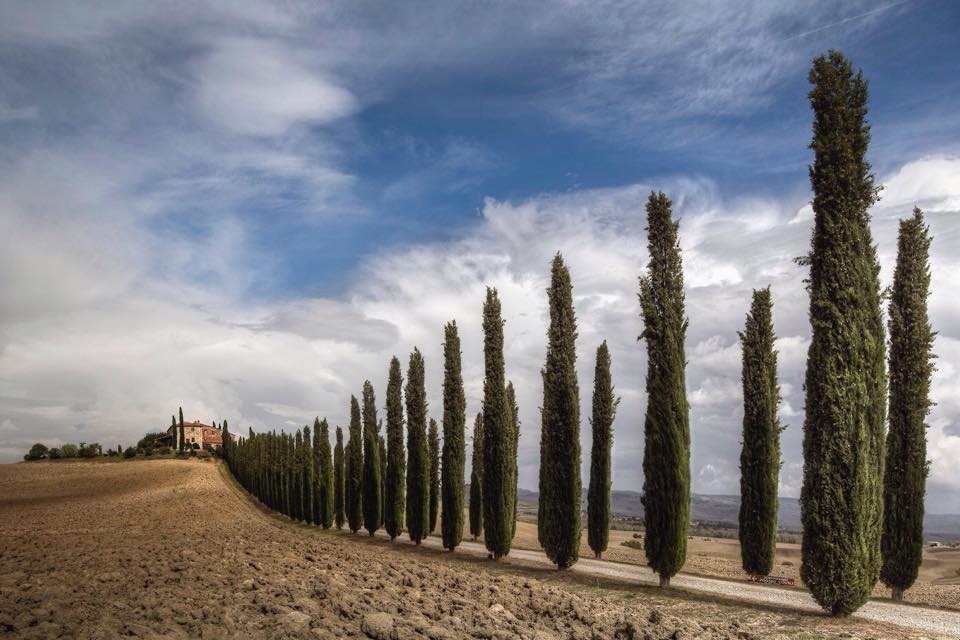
(862, 495)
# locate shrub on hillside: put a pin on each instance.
(54, 454)
(68, 451)
(112, 453)
(164, 450)
(148, 451)
(149, 440)
(36, 452)
(130, 452)
(91, 450)
(193, 453)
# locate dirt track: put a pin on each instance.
(168, 549)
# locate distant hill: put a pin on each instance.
(726, 508)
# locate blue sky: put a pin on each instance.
(247, 208)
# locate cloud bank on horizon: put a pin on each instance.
(247, 210)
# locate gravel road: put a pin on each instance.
(940, 622)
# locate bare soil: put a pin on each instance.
(173, 549)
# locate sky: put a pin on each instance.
(247, 208)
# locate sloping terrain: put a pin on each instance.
(173, 549)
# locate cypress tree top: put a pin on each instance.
(454, 453)
(911, 367)
(396, 457)
(760, 456)
(666, 458)
(558, 521)
(841, 500)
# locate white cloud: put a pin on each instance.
(263, 87)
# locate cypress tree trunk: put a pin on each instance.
(841, 500)
(353, 490)
(396, 462)
(911, 343)
(319, 477)
(558, 512)
(666, 458)
(433, 442)
(418, 462)
(454, 454)
(598, 495)
(514, 413)
(760, 455)
(476, 479)
(372, 482)
(327, 480)
(497, 435)
(182, 432)
(339, 481)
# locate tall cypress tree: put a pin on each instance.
(353, 480)
(433, 445)
(513, 412)
(911, 343)
(476, 479)
(225, 443)
(173, 432)
(383, 475)
(318, 479)
(308, 480)
(601, 423)
(418, 462)
(666, 458)
(760, 455)
(841, 499)
(183, 443)
(372, 483)
(326, 481)
(454, 453)
(497, 434)
(339, 481)
(396, 457)
(558, 512)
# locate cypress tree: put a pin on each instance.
(514, 414)
(327, 485)
(339, 481)
(318, 479)
(383, 476)
(353, 479)
(433, 442)
(841, 500)
(454, 454)
(476, 479)
(182, 432)
(297, 476)
(666, 458)
(911, 343)
(601, 423)
(497, 435)
(225, 442)
(760, 455)
(396, 462)
(558, 512)
(308, 477)
(372, 482)
(173, 431)
(418, 465)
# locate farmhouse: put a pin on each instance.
(196, 435)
